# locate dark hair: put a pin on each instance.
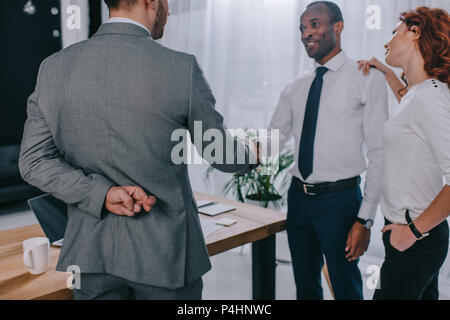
(434, 39)
(116, 4)
(334, 12)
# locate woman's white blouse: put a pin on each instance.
(416, 151)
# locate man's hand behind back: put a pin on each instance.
(128, 200)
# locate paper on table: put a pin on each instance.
(226, 222)
(209, 227)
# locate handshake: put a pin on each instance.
(255, 145)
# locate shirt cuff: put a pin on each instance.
(368, 210)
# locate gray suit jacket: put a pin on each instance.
(102, 114)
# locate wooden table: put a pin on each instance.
(255, 225)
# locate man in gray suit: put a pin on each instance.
(101, 117)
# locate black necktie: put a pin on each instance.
(306, 155)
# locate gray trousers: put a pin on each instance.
(103, 286)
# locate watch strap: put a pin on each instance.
(413, 228)
(361, 220)
(365, 223)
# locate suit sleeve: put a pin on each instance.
(42, 166)
(229, 154)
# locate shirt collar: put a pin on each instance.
(126, 20)
(333, 64)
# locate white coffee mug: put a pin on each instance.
(36, 254)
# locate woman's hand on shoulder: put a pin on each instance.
(365, 65)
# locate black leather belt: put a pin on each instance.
(326, 187)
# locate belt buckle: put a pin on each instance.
(305, 189)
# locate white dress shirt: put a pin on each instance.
(353, 109)
(416, 151)
(126, 20)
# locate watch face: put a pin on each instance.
(369, 224)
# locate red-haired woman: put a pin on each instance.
(414, 202)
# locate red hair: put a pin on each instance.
(434, 40)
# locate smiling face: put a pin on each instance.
(319, 35)
(399, 46)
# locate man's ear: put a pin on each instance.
(338, 27)
(152, 4)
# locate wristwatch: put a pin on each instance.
(368, 224)
(413, 228)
